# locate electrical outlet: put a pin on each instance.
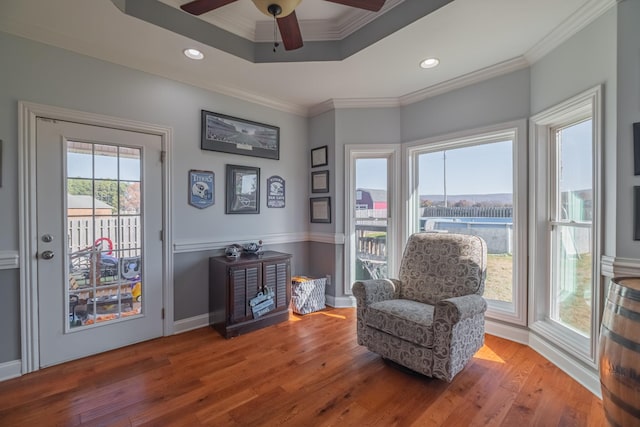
(328, 279)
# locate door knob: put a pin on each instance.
(47, 255)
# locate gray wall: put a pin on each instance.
(47, 75)
(497, 100)
(9, 315)
(628, 112)
(582, 62)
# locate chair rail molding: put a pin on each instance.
(611, 266)
(197, 245)
(9, 260)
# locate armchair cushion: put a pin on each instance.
(405, 319)
(437, 266)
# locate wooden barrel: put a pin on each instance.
(619, 350)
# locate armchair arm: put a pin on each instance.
(458, 325)
(369, 291)
(460, 308)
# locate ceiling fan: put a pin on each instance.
(283, 11)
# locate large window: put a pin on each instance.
(565, 279)
(470, 184)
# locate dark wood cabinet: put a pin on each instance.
(233, 283)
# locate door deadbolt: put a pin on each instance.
(47, 255)
(47, 238)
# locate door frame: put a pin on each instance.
(28, 113)
(391, 152)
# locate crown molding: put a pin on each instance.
(338, 103)
(311, 29)
(588, 13)
(478, 76)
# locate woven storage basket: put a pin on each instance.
(307, 294)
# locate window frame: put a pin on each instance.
(516, 311)
(542, 190)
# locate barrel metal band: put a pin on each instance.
(631, 410)
(629, 293)
(619, 339)
(624, 312)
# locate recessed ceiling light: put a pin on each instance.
(430, 63)
(193, 53)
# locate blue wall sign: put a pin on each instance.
(201, 188)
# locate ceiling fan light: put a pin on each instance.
(430, 63)
(287, 6)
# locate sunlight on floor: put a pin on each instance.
(485, 353)
(297, 317)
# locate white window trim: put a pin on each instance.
(391, 152)
(588, 103)
(515, 312)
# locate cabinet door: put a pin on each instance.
(277, 276)
(245, 283)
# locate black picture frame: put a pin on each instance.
(242, 190)
(636, 148)
(636, 212)
(320, 156)
(233, 135)
(320, 209)
(320, 182)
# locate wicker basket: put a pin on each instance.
(307, 294)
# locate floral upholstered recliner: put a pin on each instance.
(431, 320)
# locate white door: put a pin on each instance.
(99, 220)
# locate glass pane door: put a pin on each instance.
(371, 218)
(104, 230)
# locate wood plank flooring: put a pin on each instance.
(308, 371)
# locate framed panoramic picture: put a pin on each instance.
(319, 156)
(320, 182)
(320, 209)
(238, 136)
(243, 190)
(636, 212)
(201, 188)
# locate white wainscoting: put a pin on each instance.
(9, 260)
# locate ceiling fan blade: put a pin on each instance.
(290, 31)
(198, 7)
(372, 5)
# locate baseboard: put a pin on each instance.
(586, 377)
(191, 323)
(511, 333)
(340, 302)
(10, 370)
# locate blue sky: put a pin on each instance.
(485, 169)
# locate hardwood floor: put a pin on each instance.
(308, 371)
